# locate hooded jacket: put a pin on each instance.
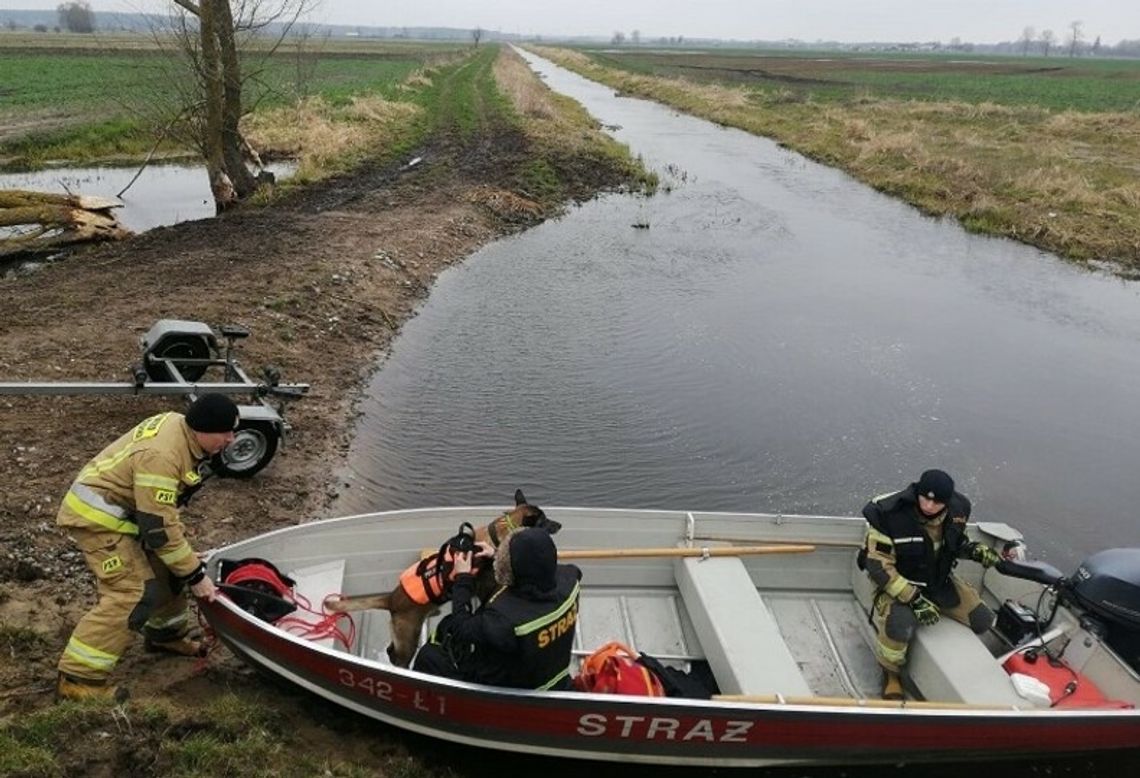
(523, 635)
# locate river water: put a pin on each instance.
(162, 194)
(780, 338)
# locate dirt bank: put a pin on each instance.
(324, 278)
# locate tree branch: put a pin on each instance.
(189, 6)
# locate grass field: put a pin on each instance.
(1057, 83)
(1048, 157)
(87, 98)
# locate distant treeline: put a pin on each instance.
(1030, 44)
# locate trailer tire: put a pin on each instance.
(255, 443)
(178, 347)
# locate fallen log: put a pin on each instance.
(33, 222)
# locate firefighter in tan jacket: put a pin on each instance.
(123, 513)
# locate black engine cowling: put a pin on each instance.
(1107, 585)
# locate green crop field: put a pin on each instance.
(70, 97)
(1057, 83)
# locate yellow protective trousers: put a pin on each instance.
(136, 592)
(895, 623)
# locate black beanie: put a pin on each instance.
(212, 413)
(936, 485)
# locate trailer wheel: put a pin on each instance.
(255, 443)
(178, 347)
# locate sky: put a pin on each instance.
(979, 21)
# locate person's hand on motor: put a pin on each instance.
(984, 555)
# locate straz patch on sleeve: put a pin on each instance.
(165, 497)
(111, 564)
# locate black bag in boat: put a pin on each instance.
(257, 587)
(697, 684)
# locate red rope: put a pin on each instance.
(324, 626)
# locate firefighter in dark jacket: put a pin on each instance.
(123, 513)
(914, 540)
(523, 635)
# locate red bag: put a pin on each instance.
(614, 669)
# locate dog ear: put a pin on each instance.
(520, 498)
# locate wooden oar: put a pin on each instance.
(358, 602)
(849, 702)
(781, 541)
(668, 551)
(676, 551)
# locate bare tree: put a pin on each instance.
(1096, 46)
(1027, 36)
(1047, 40)
(618, 39)
(635, 37)
(1075, 36)
(208, 33)
(477, 35)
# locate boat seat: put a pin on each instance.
(315, 583)
(947, 662)
(741, 640)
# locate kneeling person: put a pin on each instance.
(522, 636)
(123, 511)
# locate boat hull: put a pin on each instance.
(664, 731)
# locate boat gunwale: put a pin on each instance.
(853, 707)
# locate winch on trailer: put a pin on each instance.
(176, 355)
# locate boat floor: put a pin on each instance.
(826, 632)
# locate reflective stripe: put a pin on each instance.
(101, 466)
(897, 586)
(879, 497)
(177, 620)
(90, 656)
(542, 621)
(554, 680)
(86, 502)
(180, 552)
(878, 537)
(895, 656)
(159, 481)
(915, 539)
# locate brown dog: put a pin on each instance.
(408, 614)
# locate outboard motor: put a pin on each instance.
(1107, 585)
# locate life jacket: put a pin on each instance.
(544, 633)
(615, 669)
(915, 557)
(430, 579)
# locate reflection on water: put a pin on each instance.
(163, 194)
(781, 338)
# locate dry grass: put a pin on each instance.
(1065, 181)
(527, 93)
(322, 137)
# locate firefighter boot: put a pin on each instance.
(189, 643)
(70, 687)
(892, 686)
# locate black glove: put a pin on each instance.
(984, 555)
(925, 611)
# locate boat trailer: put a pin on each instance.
(176, 355)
